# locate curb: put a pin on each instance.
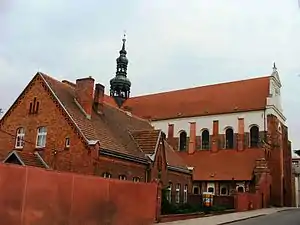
(238, 220)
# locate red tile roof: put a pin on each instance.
(115, 129)
(223, 165)
(28, 158)
(146, 139)
(200, 101)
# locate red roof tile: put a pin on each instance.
(115, 129)
(28, 158)
(223, 165)
(200, 101)
(146, 139)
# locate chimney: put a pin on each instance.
(170, 131)
(215, 136)
(84, 94)
(99, 98)
(241, 131)
(192, 141)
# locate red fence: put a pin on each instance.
(36, 196)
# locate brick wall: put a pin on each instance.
(37, 196)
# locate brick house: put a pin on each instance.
(232, 134)
(67, 126)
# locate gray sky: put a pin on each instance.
(171, 44)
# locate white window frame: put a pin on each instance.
(169, 193)
(122, 177)
(136, 179)
(177, 196)
(185, 194)
(211, 185)
(106, 175)
(20, 134)
(41, 133)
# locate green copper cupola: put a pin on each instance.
(120, 84)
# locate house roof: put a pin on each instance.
(27, 158)
(115, 129)
(200, 101)
(223, 165)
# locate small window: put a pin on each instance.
(169, 192)
(122, 177)
(177, 197)
(20, 138)
(223, 191)
(67, 143)
(196, 190)
(240, 189)
(211, 189)
(136, 179)
(185, 194)
(41, 137)
(106, 175)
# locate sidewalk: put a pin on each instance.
(227, 218)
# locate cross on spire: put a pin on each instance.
(274, 67)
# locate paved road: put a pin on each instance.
(289, 217)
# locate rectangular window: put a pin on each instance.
(67, 143)
(41, 137)
(185, 194)
(20, 138)
(177, 197)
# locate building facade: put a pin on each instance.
(230, 134)
(67, 126)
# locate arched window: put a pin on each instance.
(122, 177)
(169, 192)
(254, 136)
(205, 139)
(182, 141)
(20, 138)
(106, 175)
(136, 179)
(163, 134)
(210, 189)
(229, 138)
(240, 189)
(223, 191)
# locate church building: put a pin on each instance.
(229, 134)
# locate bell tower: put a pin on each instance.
(120, 84)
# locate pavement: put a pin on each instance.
(239, 217)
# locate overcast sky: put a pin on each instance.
(171, 44)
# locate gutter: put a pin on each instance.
(119, 155)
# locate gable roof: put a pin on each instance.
(200, 101)
(223, 165)
(27, 159)
(115, 129)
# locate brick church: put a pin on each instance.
(221, 138)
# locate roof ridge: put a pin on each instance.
(202, 86)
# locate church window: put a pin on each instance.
(254, 136)
(205, 139)
(229, 138)
(163, 134)
(182, 141)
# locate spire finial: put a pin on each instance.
(274, 67)
(124, 37)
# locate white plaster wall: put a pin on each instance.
(206, 122)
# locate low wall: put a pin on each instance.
(36, 196)
(175, 217)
